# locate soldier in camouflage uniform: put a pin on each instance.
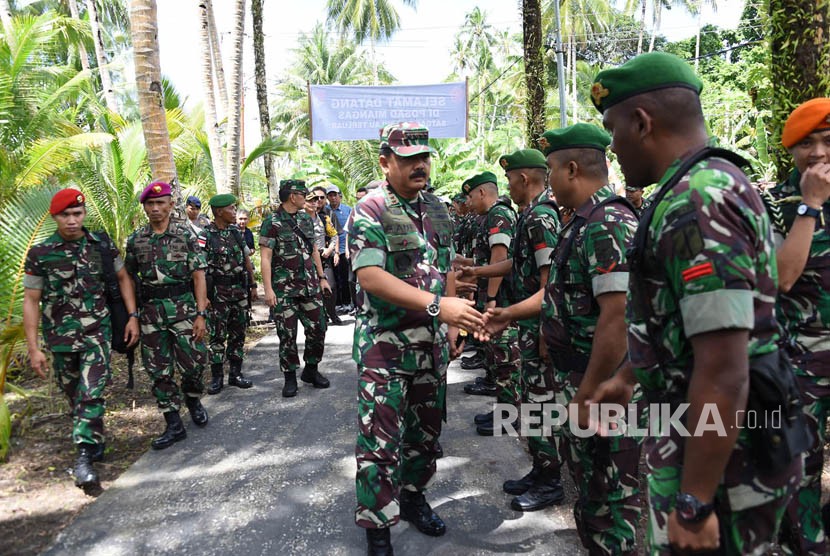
(66, 274)
(800, 213)
(230, 281)
(703, 286)
(493, 245)
(536, 236)
(291, 265)
(165, 259)
(634, 195)
(400, 242)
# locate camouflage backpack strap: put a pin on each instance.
(636, 255)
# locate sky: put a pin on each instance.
(417, 53)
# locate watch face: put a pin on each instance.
(433, 309)
(801, 210)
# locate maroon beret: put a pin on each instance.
(156, 189)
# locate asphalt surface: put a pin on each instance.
(270, 475)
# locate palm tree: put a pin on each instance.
(211, 123)
(82, 53)
(219, 71)
(235, 103)
(800, 47)
(5, 14)
(375, 20)
(534, 69)
(262, 91)
(100, 56)
(144, 29)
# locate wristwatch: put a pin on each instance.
(135, 315)
(491, 298)
(806, 210)
(692, 510)
(434, 308)
(202, 313)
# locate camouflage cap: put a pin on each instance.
(222, 200)
(577, 136)
(524, 158)
(294, 185)
(479, 179)
(405, 139)
(642, 74)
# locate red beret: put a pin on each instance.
(155, 189)
(64, 199)
(810, 116)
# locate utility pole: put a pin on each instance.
(560, 66)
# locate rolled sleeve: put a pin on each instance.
(369, 257)
(499, 239)
(543, 256)
(118, 263)
(268, 242)
(717, 310)
(32, 282)
(613, 282)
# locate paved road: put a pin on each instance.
(274, 476)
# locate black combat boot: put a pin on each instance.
(312, 376)
(98, 454)
(197, 411)
(85, 476)
(546, 491)
(520, 486)
(235, 377)
(380, 542)
(483, 418)
(437, 450)
(481, 388)
(290, 388)
(173, 433)
(217, 379)
(489, 428)
(414, 509)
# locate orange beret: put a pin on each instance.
(64, 199)
(810, 116)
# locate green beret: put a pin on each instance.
(577, 136)
(478, 179)
(223, 200)
(644, 73)
(524, 158)
(294, 185)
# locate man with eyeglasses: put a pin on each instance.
(291, 265)
(341, 212)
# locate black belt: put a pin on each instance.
(232, 280)
(163, 292)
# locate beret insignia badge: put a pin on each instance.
(598, 92)
(156, 188)
(543, 142)
(503, 162)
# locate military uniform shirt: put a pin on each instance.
(537, 231)
(291, 238)
(416, 247)
(804, 311)
(70, 275)
(225, 256)
(709, 265)
(596, 265)
(496, 227)
(165, 259)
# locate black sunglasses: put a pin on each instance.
(320, 198)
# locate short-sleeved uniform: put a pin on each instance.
(589, 261)
(804, 314)
(163, 265)
(709, 265)
(225, 252)
(537, 230)
(498, 227)
(401, 354)
(76, 322)
(296, 285)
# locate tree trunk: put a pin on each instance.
(219, 71)
(642, 27)
(657, 23)
(100, 55)
(144, 31)
(234, 114)
(800, 56)
(82, 53)
(574, 71)
(262, 93)
(697, 38)
(211, 125)
(5, 13)
(534, 69)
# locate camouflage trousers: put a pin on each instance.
(82, 376)
(165, 347)
(227, 323)
(537, 387)
(501, 355)
(309, 311)
(803, 533)
(749, 504)
(606, 473)
(399, 422)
